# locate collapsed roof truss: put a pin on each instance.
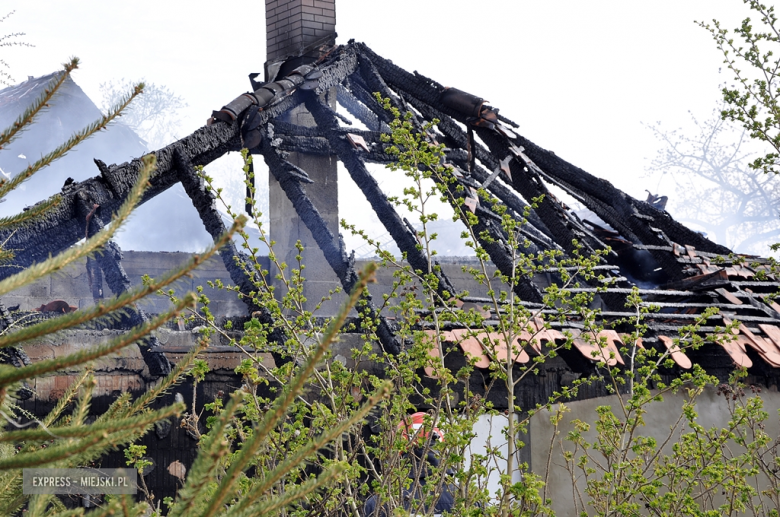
(512, 169)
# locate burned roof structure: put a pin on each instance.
(672, 266)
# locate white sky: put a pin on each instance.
(579, 77)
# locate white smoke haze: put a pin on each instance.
(168, 222)
(704, 169)
(155, 115)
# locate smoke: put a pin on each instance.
(168, 222)
(355, 209)
(70, 111)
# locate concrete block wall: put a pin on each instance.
(291, 25)
(71, 284)
(662, 416)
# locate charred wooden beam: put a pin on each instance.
(59, 228)
(625, 209)
(318, 146)
(487, 230)
(359, 110)
(529, 230)
(378, 72)
(493, 239)
(405, 239)
(527, 182)
(237, 265)
(109, 260)
(333, 249)
(362, 92)
(451, 130)
(421, 91)
(294, 138)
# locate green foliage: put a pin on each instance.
(218, 477)
(750, 51)
(135, 457)
(63, 438)
(616, 467)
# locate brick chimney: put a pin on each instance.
(296, 32)
(294, 26)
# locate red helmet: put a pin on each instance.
(413, 428)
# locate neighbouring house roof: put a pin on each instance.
(71, 110)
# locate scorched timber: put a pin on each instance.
(332, 248)
(204, 202)
(627, 215)
(393, 223)
(62, 226)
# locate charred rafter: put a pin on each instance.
(405, 239)
(628, 215)
(109, 260)
(332, 248)
(236, 265)
(535, 228)
(420, 93)
(425, 96)
(488, 229)
(492, 237)
(59, 228)
(359, 110)
(294, 138)
(459, 138)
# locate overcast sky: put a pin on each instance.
(579, 77)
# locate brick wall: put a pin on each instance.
(293, 24)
